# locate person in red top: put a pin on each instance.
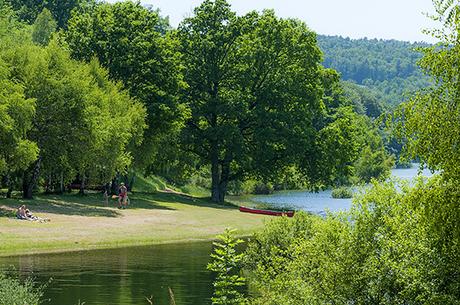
(122, 196)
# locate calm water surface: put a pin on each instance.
(127, 276)
(122, 276)
(321, 202)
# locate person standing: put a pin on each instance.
(122, 196)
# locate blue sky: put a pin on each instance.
(387, 19)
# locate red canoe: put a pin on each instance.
(266, 212)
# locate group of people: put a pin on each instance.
(24, 213)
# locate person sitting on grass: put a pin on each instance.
(122, 196)
(25, 214)
(21, 213)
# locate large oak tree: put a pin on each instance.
(254, 89)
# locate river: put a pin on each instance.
(127, 276)
(320, 202)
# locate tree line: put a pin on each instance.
(93, 90)
(387, 68)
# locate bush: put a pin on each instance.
(403, 164)
(373, 165)
(15, 292)
(342, 192)
(262, 188)
(397, 245)
(250, 186)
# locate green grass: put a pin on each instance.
(86, 222)
(154, 184)
(149, 184)
(193, 190)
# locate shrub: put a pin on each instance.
(15, 292)
(226, 263)
(403, 164)
(250, 187)
(262, 188)
(397, 245)
(342, 192)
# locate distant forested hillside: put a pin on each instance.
(387, 67)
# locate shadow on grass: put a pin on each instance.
(165, 197)
(92, 205)
(65, 205)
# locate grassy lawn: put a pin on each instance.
(86, 222)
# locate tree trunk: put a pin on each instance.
(30, 180)
(82, 185)
(61, 184)
(114, 185)
(215, 174)
(9, 184)
(220, 177)
(224, 181)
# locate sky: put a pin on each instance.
(386, 19)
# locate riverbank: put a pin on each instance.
(87, 222)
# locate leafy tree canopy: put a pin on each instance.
(253, 91)
(43, 28)
(136, 47)
(429, 120)
(73, 113)
(16, 111)
(28, 10)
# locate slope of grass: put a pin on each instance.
(149, 184)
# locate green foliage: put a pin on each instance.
(351, 149)
(15, 292)
(429, 120)
(397, 245)
(342, 192)
(365, 100)
(148, 184)
(16, 110)
(226, 263)
(28, 10)
(263, 188)
(387, 68)
(43, 28)
(132, 43)
(373, 165)
(252, 92)
(391, 248)
(82, 123)
(403, 164)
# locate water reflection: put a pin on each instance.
(122, 276)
